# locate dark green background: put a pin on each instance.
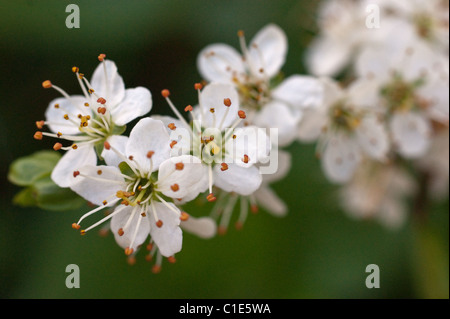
(314, 252)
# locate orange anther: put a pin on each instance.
(171, 126)
(179, 166)
(184, 216)
(175, 187)
(128, 251)
(198, 86)
(150, 154)
(224, 166)
(171, 259)
(120, 232)
(159, 223)
(40, 124)
(211, 197)
(75, 69)
(107, 145)
(173, 143)
(76, 173)
(46, 84)
(38, 135)
(57, 146)
(242, 114)
(165, 93)
(245, 159)
(101, 100)
(101, 57)
(227, 102)
(75, 226)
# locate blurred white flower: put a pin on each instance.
(138, 187)
(254, 73)
(412, 88)
(428, 21)
(347, 129)
(342, 32)
(88, 120)
(378, 192)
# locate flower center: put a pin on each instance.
(400, 95)
(343, 117)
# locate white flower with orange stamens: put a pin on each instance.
(412, 91)
(88, 120)
(141, 189)
(254, 73)
(227, 149)
(347, 128)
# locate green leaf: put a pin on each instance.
(26, 170)
(25, 198)
(52, 197)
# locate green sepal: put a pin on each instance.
(126, 169)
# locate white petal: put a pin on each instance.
(267, 51)
(250, 143)
(300, 91)
(119, 142)
(212, 96)
(95, 187)
(120, 220)
(137, 102)
(327, 57)
(410, 133)
(148, 135)
(109, 84)
(278, 115)
(190, 179)
(219, 63)
(168, 237)
(312, 124)
(62, 173)
(340, 158)
(267, 198)
(72, 107)
(181, 134)
(284, 165)
(373, 138)
(203, 227)
(241, 180)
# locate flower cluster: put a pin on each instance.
(225, 150)
(376, 105)
(388, 115)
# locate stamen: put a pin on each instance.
(38, 135)
(179, 166)
(101, 221)
(57, 146)
(184, 216)
(166, 93)
(175, 187)
(225, 220)
(101, 57)
(224, 167)
(46, 84)
(40, 124)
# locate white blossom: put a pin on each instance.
(254, 73)
(139, 187)
(88, 120)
